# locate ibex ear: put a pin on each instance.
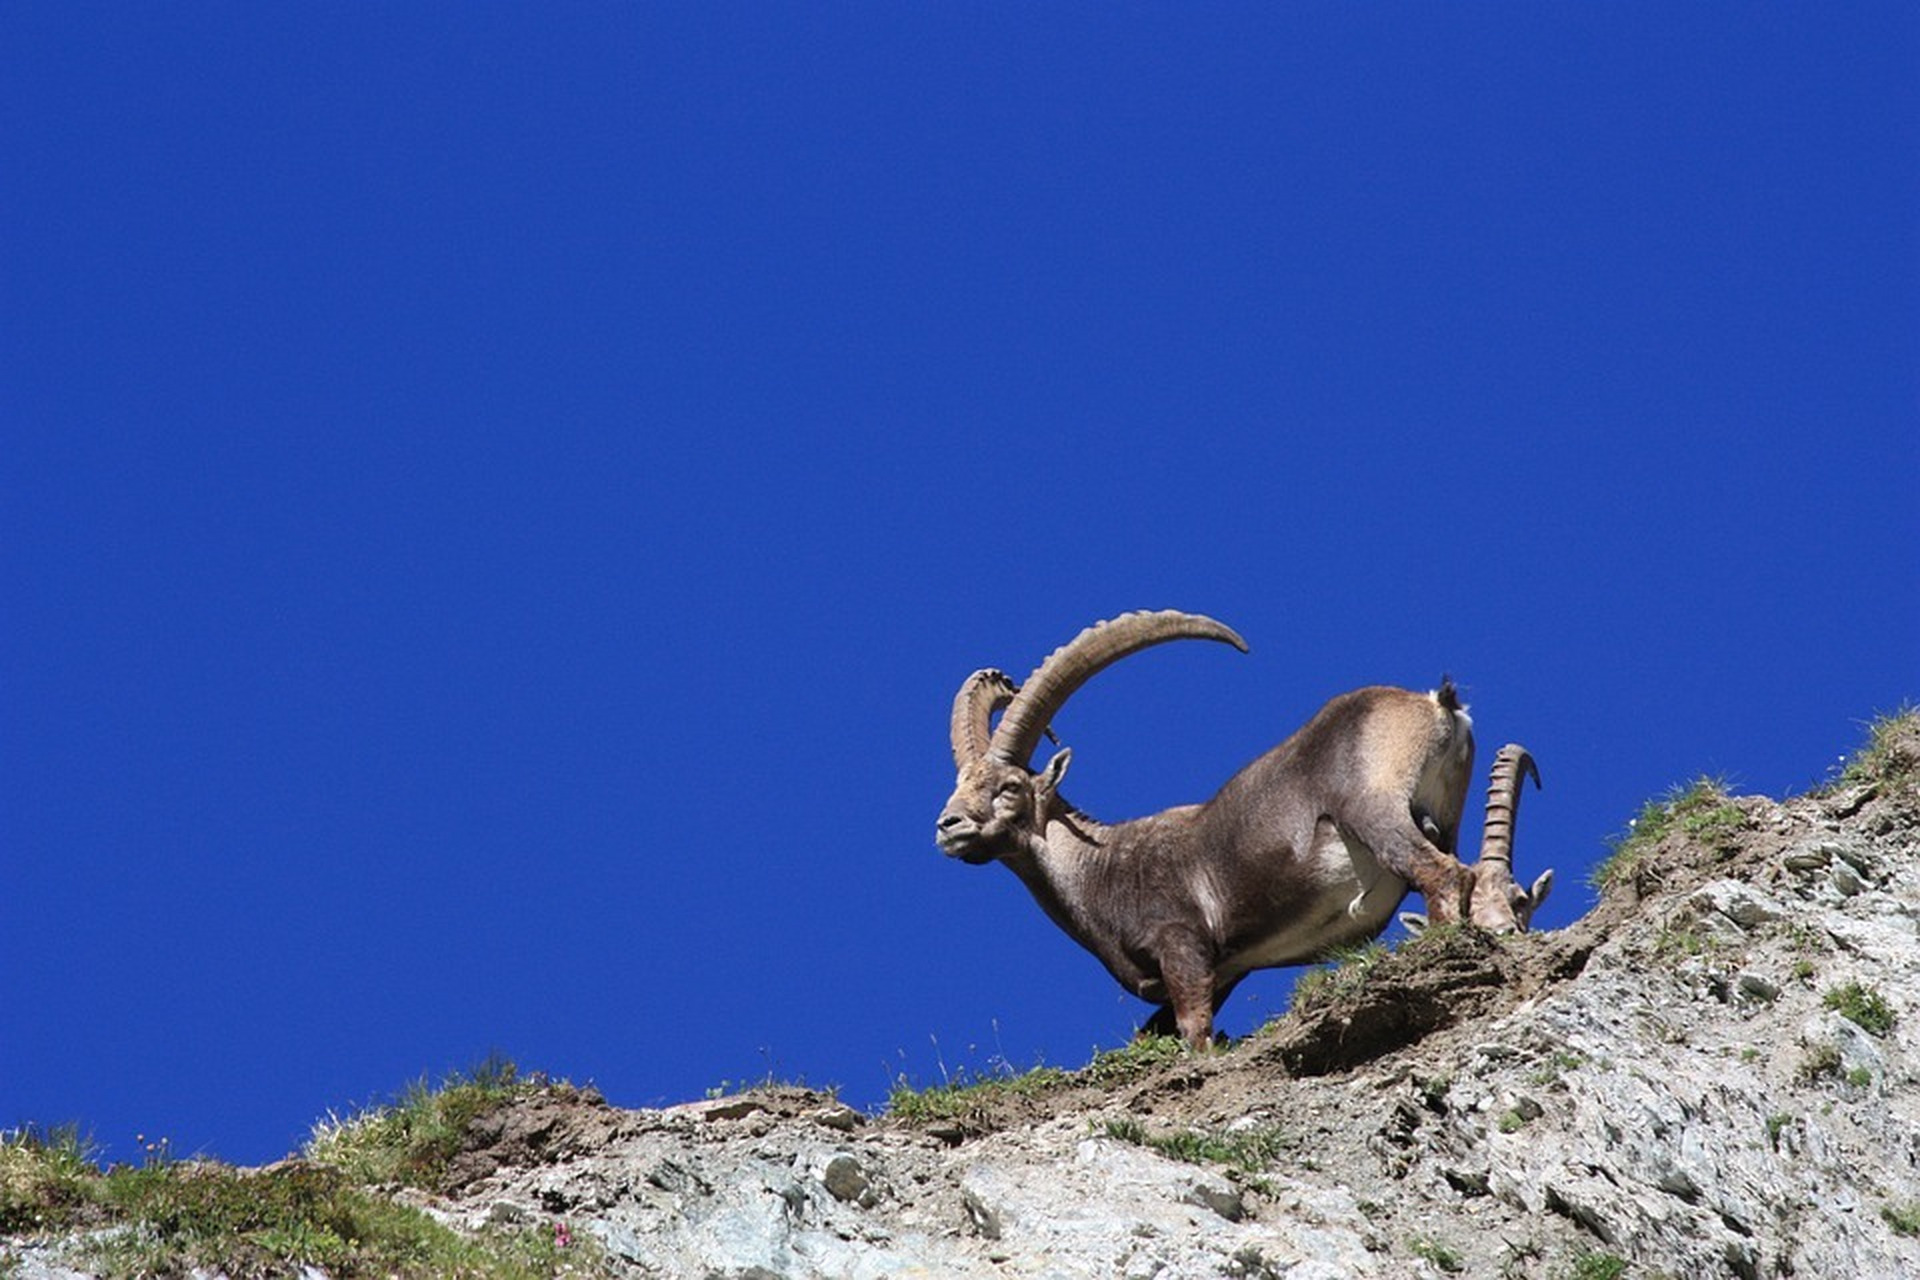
(1049, 780)
(1541, 888)
(1525, 902)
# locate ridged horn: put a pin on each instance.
(1085, 656)
(984, 693)
(1503, 801)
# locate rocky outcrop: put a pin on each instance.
(1712, 1074)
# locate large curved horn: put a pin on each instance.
(984, 693)
(1085, 656)
(1503, 801)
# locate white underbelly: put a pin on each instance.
(1351, 899)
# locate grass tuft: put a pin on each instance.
(412, 1141)
(1819, 1062)
(966, 1094)
(1599, 1266)
(1903, 1218)
(1342, 974)
(1248, 1150)
(1863, 1006)
(197, 1216)
(180, 1217)
(1440, 1255)
(1887, 755)
(1702, 810)
(47, 1179)
(1133, 1059)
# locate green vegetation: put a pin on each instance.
(412, 1141)
(1433, 1091)
(173, 1217)
(966, 1094)
(1807, 940)
(1512, 1120)
(1701, 810)
(1556, 1064)
(1678, 944)
(1776, 1125)
(1903, 1218)
(1246, 1150)
(1822, 1060)
(47, 1179)
(1438, 1254)
(1863, 1006)
(1599, 1266)
(1344, 973)
(1884, 757)
(1133, 1059)
(248, 1223)
(771, 1078)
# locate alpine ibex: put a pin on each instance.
(1310, 847)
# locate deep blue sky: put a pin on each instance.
(497, 502)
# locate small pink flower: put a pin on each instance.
(562, 1238)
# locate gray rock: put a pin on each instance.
(846, 1180)
(1744, 904)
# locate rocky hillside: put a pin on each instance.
(1713, 1073)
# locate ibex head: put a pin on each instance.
(1498, 902)
(999, 806)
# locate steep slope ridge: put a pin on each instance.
(1711, 1074)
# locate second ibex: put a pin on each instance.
(1309, 848)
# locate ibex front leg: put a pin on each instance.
(1406, 850)
(1186, 971)
(1165, 1022)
